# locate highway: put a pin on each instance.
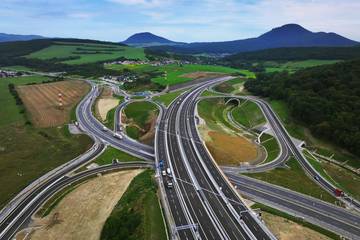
(318, 212)
(24, 212)
(287, 146)
(92, 126)
(214, 213)
(202, 202)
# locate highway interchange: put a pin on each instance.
(202, 204)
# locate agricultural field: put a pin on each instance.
(294, 66)
(50, 147)
(41, 101)
(182, 73)
(14, 112)
(140, 119)
(87, 53)
(137, 215)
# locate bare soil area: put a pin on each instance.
(231, 150)
(83, 212)
(105, 103)
(42, 104)
(196, 75)
(285, 229)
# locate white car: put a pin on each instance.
(163, 173)
(118, 136)
(104, 129)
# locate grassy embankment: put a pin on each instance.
(112, 153)
(220, 136)
(234, 86)
(341, 177)
(140, 117)
(248, 114)
(291, 177)
(167, 98)
(137, 215)
(27, 152)
(291, 218)
(271, 146)
(88, 53)
(110, 116)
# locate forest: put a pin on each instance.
(325, 98)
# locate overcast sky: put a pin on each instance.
(179, 20)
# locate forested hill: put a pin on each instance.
(297, 53)
(326, 98)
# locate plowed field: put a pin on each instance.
(42, 105)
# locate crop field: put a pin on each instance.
(234, 86)
(294, 66)
(41, 101)
(87, 53)
(8, 105)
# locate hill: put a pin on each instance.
(4, 37)
(325, 98)
(148, 39)
(297, 53)
(290, 35)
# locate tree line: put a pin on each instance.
(325, 98)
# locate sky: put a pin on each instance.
(178, 20)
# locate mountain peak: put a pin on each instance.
(147, 38)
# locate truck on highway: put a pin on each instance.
(339, 192)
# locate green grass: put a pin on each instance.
(248, 114)
(175, 72)
(231, 86)
(168, 97)
(207, 93)
(9, 111)
(137, 215)
(133, 132)
(271, 146)
(90, 53)
(213, 112)
(303, 223)
(26, 153)
(295, 179)
(140, 112)
(112, 153)
(294, 66)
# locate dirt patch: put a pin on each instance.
(42, 101)
(104, 105)
(83, 212)
(285, 229)
(196, 75)
(231, 150)
(149, 136)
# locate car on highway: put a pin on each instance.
(163, 173)
(169, 184)
(104, 129)
(118, 136)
